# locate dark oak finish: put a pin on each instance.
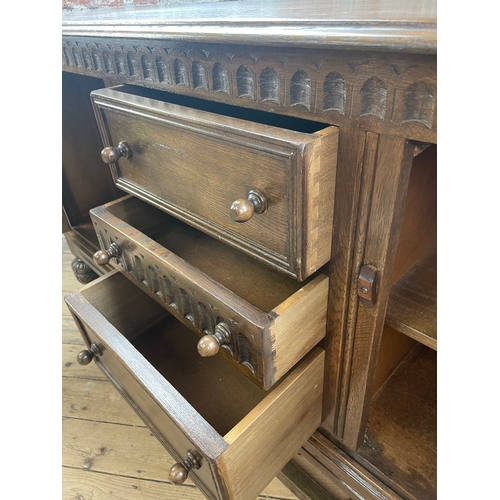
(363, 72)
(173, 160)
(149, 356)
(392, 25)
(273, 320)
(401, 433)
(395, 93)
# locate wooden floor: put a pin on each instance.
(107, 452)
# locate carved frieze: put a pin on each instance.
(379, 91)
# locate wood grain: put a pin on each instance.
(393, 167)
(331, 462)
(277, 428)
(412, 307)
(90, 399)
(402, 431)
(299, 325)
(93, 185)
(418, 234)
(174, 392)
(177, 166)
(199, 280)
(391, 93)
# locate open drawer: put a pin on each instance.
(231, 437)
(261, 182)
(262, 321)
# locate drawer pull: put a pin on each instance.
(85, 357)
(243, 210)
(179, 471)
(210, 344)
(112, 154)
(101, 257)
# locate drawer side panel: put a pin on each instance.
(271, 434)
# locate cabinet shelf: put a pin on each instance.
(412, 307)
(401, 435)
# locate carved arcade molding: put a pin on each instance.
(380, 91)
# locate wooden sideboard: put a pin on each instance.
(267, 218)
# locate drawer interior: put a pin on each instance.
(261, 286)
(251, 115)
(170, 347)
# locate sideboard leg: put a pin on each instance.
(83, 273)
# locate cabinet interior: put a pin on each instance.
(252, 115)
(170, 347)
(401, 434)
(258, 284)
(86, 181)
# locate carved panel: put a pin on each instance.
(380, 92)
(172, 292)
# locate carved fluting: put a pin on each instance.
(167, 290)
(220, 78)
(108, 62)
(185, 308)
(270, 85)
(373, 98)
(67, 56)
(76, 57)
(206, 321)
(348, 87)
(334, 94)
(163, 73)
(180, 300)
(97, 60)
(139, 270)
(87, 59)
(154, 282)
(300, 89)
(199, 76)
(181, 73)
(244, 82)
(245, 353)
(120, 63)
(147, 67)
(419, 104)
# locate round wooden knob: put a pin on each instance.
(210, 344)
(243, 210)
(102, 257)
(112, 154)
(179, 471)
(84, 357)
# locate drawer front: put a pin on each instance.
(239, 460)
(194, 165)
(263, 344)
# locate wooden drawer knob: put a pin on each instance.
(210, 344)
(112, 154)
(179, 471)
(85, 357)
(243, 210)
(102, 257)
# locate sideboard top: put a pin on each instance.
(388, 25)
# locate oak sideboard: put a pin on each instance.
(249, 192)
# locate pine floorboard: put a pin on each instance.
(107, 451)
